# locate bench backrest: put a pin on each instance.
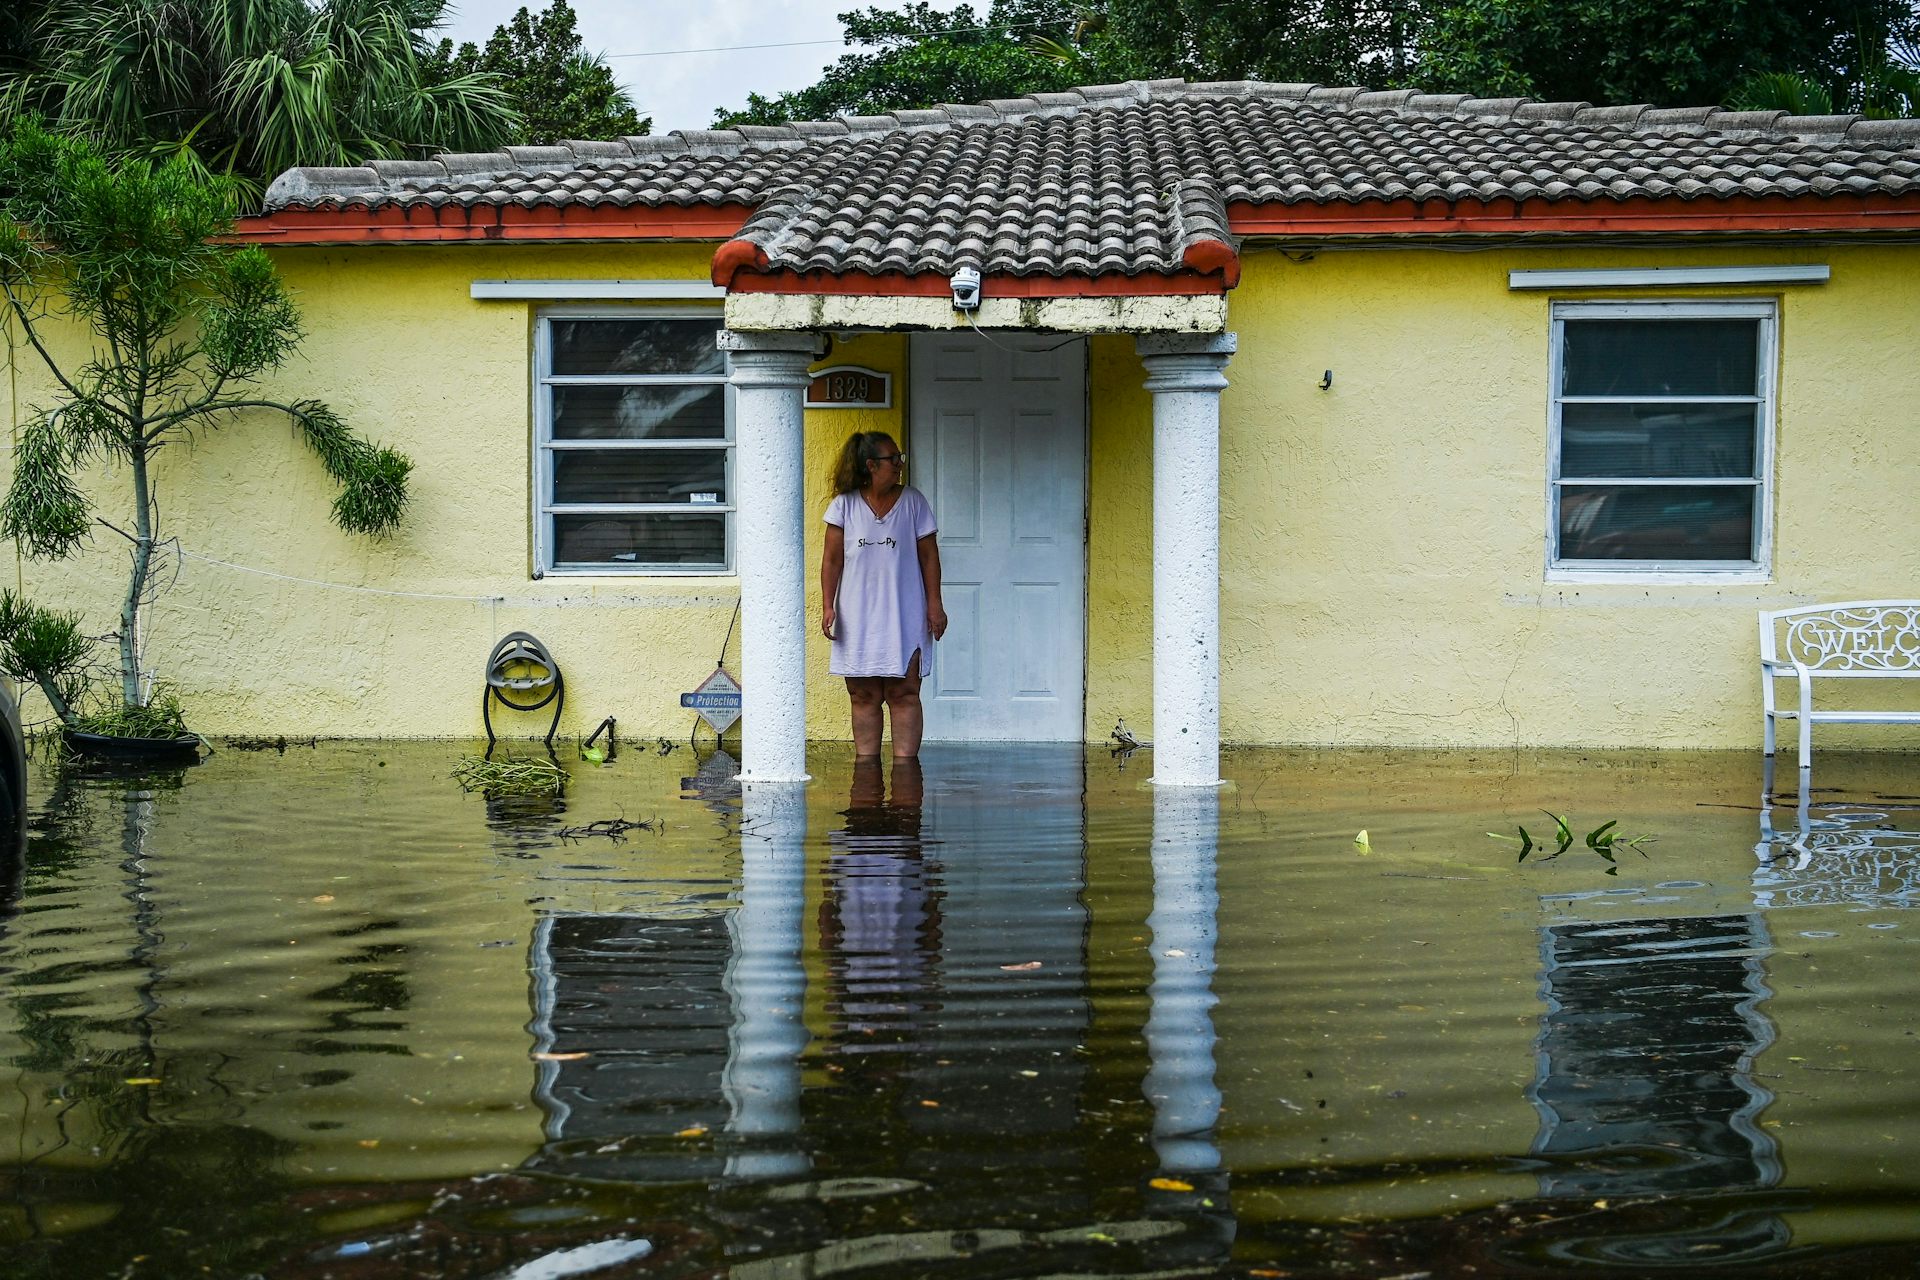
(1856, 638)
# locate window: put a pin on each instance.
(633, 467)
(1662, 433)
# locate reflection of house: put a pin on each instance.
(1646, 1083)
(1594, 444)
(630, 1039)
(1843, 854)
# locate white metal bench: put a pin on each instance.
(1858, 639)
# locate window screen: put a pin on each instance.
(635, 467)
(1661, 416)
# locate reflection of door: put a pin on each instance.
(998, 444)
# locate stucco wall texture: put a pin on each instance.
(1382, 542)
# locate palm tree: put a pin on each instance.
(249, 88)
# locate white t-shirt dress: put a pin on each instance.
(883, 599)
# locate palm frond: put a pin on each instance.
(1783, 91)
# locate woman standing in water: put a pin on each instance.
(880, 590)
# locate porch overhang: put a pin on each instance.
(1121, 313)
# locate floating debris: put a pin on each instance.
(612, 828)
(279, 742)
(579, 1261)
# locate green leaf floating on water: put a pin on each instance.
(1603, 839)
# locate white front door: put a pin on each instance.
(998, 444)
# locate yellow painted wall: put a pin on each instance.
(397, 345)
(1382, 542)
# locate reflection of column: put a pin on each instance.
(767, 985)
(1186, 373)
(1180, 1037)
(769, 377)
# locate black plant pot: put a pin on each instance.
(156, 751)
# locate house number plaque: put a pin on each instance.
(848, 386)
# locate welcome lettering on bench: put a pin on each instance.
(1858, 640)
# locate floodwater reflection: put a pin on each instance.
(1005, 1011)
(1646, 1083)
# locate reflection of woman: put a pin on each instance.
(879, 920)
(880, 590)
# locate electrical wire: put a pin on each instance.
(796, 44)
(1072, 338)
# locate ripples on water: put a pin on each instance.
(1011, 1013)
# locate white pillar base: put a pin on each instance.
(769, 377)
(1186, 373)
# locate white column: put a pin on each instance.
(768, 984)
(1186, 373)
(769, 382)
(1180, 1035)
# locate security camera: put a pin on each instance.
(966, 289)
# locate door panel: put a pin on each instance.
(998, 444)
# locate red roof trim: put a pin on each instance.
(735, 256)
(1495, 217)
(898, 284)
(453, 224)
(1213, 255)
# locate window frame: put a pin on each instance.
(545, 447)
(1766, 312)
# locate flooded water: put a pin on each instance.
(1013, 1013)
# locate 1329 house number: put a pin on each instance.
(850, 387)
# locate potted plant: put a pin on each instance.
(183, 326)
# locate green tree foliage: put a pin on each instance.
(1336, 42)
(1016, 47)
(561, 91)
(1854, 54)
(183, 327)
(247, 88)
(1670, 52)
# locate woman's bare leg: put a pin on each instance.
(903, 709)
(866, 693)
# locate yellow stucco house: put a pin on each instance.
(1287, 414)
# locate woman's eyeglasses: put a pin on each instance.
(888, 457)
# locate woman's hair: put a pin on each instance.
(850, 469)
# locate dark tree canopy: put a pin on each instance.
(1669, 52)
(1319, 41)
(1026, 46)
(245, 88)
(560, 90)
(1854, 54)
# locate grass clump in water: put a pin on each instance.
(510, 777)
(162, 717)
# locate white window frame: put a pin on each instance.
(1716, 572)
(545, 447)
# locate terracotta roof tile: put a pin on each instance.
(1135, 177)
